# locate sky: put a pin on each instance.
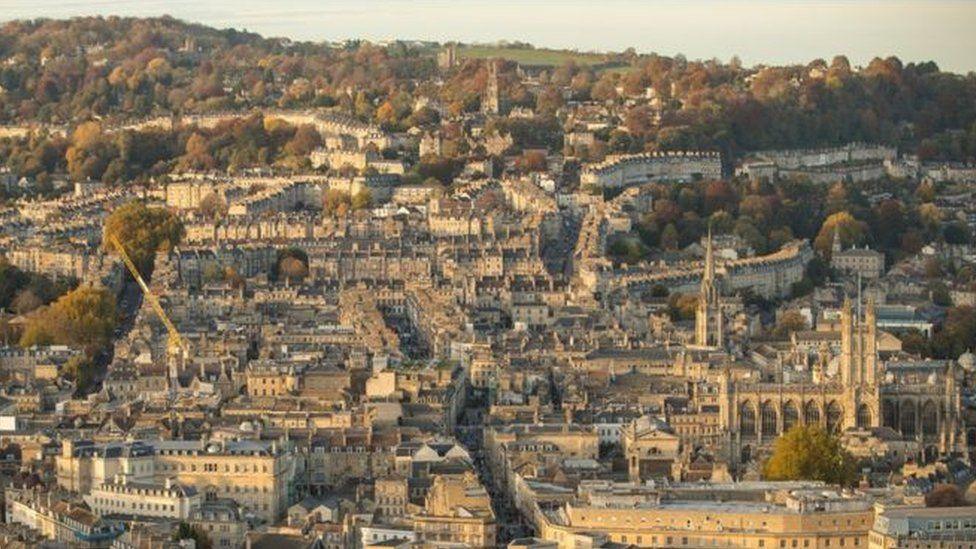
(758, 31)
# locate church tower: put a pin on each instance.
(709, 329)
(859, 345)
(490, 103)
(859, 364)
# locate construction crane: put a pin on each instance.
(175, 344)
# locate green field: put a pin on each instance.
(532, 56)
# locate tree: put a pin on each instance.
(26, 301)
(143, 231)
(292, 268)
(292, 263)
(626, 249)
(80, 370)
(361, 200)
(336, 202)
(186, 531)
(682, 306)
(945, 495)
(719, 195)
(850, 229)
(90, 152)
(807, 452)
(789, 322)
(306, 140)
(84, 317)
(669, 237)
(531, 161)
(197, 155)
(212, 206)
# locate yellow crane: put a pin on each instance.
(175, 344)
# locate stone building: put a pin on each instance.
(863, 262)
(457, 510)
(805, 517)
(254, 474)
(638, 169)
(122, 497)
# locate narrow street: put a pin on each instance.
(470, 432)
(127, 305)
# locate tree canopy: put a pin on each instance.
(945, 495)
(807, 452)
(23, 291)
(84, 317)
(143, 231)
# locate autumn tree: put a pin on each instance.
(26, 301)
(90, 153)
(24, 291)
(143, 231)
(292, 264)
(84, 317)
(682, 306)
(719, 195)
(212, 206)
(945, 495)
(197, 154)
(807, 452)
(336, 202)
(850, 229)
(292, 268)
(361, 200)
(789, 322)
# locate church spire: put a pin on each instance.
(708, 316)
(835, 247)
(709, 275)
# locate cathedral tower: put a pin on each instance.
(859, 364)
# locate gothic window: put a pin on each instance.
(890, 414)
(930, 419)
(791, 416)
(811, 413)
(863, 416)
(769, 419)
(907, 420)
(747, 419)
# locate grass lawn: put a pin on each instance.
(531, 56)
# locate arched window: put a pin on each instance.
(930, 419)
(791, 416)
(811, 413)
(889, 414)
(863, 416)
(907, 419)
(835, 415)
(747, 419)
(769, 418)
